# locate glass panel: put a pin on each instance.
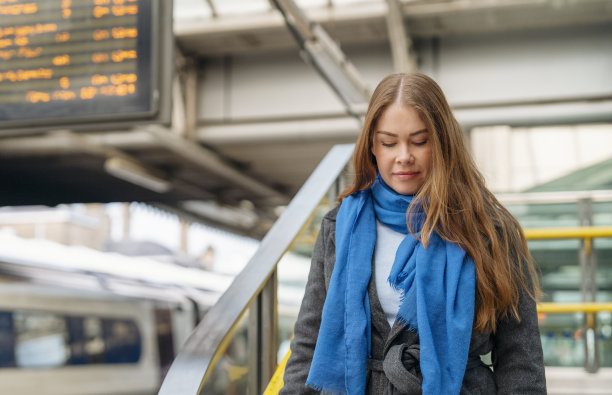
(94, 341)
(44, 340)
(604, 332)
(558, 261)
(230, 374)
(41, 340)
(76, 341)
(602, 214)
(558, 264)
(603, 257)
(165, 339)
(545, 215)
(293, 271)
(562, 339)
(7, 340)
(121, 340)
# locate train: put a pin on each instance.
(79, 321)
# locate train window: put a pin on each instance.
(76, 340)
(165, 341)
(94, 342)
(36, 339)
(7, 340)
(41, 340)
(122, 341)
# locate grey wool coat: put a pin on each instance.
(518, 366)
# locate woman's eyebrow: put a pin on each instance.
(418, 132)
(395, 135)
(387, 133)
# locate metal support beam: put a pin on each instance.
(118, 163)
(269, 325)
(263, 335)
(66, 142)
(326, 57)
(184, 93)
(191, 100)
(178, 108)
(588, 266)
(213, 8)
(404, 59)
(212, 162)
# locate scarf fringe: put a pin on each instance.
(401, 290)
(409, 327)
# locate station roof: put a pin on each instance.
(594, 177)
(230, 186)
(221, 27)
(188, 9)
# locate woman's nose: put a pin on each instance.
(405, 156)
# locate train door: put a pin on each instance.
(165, 340)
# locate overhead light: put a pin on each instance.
(242, 217)
(131, 171)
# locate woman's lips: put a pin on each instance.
(406, 175)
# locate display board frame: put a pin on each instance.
(155, 74)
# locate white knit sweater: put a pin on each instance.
(387, 242)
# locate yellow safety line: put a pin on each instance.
(587, 307)
(583, 232)
(276, 382)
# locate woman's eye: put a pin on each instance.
(420, 142)
(388, 144)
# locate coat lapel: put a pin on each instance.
(379, 320)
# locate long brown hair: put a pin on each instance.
(458, 205)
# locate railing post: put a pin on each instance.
(588, 266)
(269, 336)
(253, 345)
(262, 335)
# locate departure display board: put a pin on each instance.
(84, 63)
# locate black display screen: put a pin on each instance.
(65, 63)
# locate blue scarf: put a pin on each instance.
(437, 285)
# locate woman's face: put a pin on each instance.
(402, 147)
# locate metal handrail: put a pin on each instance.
(564, 308)
(589, 283)
(206, 344)
(581, 232)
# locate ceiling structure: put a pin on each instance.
(242, 26)
(150, 165)
(178, 170)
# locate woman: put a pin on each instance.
(420, 271)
